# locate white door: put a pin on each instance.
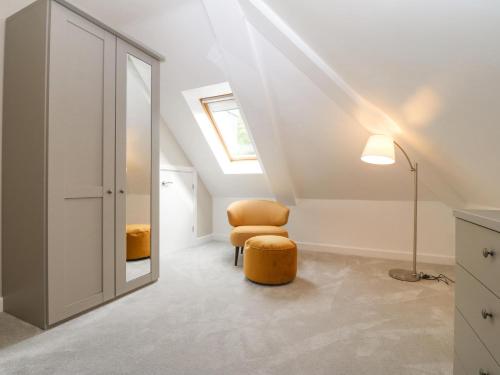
(176, 209)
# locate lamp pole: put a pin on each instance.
(410, 275)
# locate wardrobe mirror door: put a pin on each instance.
(138, 169)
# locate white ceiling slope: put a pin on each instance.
(264, 19)
(324, 144)
(434, 67)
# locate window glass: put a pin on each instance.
(226, 118)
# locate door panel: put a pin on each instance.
(83, 249)
(176, 209)
(81, 165)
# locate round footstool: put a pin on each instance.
(270, 260)
(138, 241)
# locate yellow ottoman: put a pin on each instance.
(138, 241)
(270, 260)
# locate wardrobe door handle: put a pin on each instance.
(110, 192)
(122, 191)
(485, 314)
(487, 252)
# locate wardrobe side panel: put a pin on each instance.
(24, 164)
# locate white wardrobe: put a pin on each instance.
(80, 162)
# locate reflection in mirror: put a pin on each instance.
(138, 199)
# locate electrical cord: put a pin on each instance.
(439, 278)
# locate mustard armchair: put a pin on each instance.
(251, 218)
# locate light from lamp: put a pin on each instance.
(379, 149)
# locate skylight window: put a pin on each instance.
(222, 123)
(225, 116)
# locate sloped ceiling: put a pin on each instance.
(316, 132)
(433, 67)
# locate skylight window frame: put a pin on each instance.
(219, 98)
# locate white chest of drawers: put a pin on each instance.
(477, 299)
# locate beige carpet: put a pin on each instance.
(343, 315)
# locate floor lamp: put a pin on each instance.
(380, 150)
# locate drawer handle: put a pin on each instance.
(482, 372)
(487, 253)
(485, 314)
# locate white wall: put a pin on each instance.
(366, 228)
(204, 208)
(138, 209)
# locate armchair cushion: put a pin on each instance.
(242, 233)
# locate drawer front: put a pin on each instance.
(470, 242)
(470, 352)
(472, 298)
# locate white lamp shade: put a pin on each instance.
(379, 150)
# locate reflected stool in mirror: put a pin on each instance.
(138, 241)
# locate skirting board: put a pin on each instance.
(220, 237)
(364, 252)
(198, 241)
(376, 253)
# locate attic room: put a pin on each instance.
(250, 187)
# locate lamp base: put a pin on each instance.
(404, 275)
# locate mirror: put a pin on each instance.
(138, 168)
